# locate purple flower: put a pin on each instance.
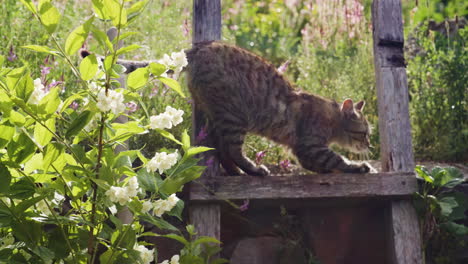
(45, 71)
(259, 156)
(74, 105)
(185, 28)
(11, 54)
(282, 69)
(209, 162)
(132, 107)
(244, 206)
(202, 134)
(285, 164)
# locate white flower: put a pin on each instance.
(174, 260)
(113, 101)
(161, 206)
(118, 195)
(113, 209)
(94, 87)
(161, 162)
(38, 93)
(179, 59)
(132, 187)
(147, 205)
(172, 200)
(171, 117)
(161, 121)
(147, 256)
(175, 114)
(167, 61)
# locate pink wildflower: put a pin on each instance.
(259, 156)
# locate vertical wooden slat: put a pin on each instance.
(394, 125)
(206, 26)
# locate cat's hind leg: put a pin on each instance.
(233, 140)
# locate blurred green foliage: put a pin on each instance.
(328, 44)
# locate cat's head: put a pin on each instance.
(355, 130)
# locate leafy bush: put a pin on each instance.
(440, 208)
(63, 180)
(437, 83)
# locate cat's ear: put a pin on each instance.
(359, 106)
(347, 107)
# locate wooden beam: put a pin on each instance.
(394, 125)
(311, 186)
(206, 26)
(206, 20)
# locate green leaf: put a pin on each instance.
(21, 149)
(77, 37)
(127, 49)
(126, 130)
(424, 174)
(20, 81)
(174, 184)
(44, 49)
(138, 78)
(168, 135)
(50, 103)
(88, 67)
(196, 150)
(173, 84)
(30, 5)
(5, 104)
(5, 179)
(158, 222)
(98, 6)
(79, 123)
(446, 205)
(6, 135)
(148, 181)
(157, 68)
(24, 205)
(22, 189)
(102, 38)
(5, 215)
(206, 239)
(42, 135)
(17, 119)
(454, 228)
(116, 12)
(51, 154)
(185, 140)
(50, 16)
(181, 239)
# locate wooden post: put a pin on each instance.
(394, 125)
(206, 26)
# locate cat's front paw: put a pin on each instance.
(366, 168)
(260, 171)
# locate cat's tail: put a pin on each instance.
(128, 64)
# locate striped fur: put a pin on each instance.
(241, 93)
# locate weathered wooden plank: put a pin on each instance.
(206, 26)
(206, 20)
(394, 125)
(404, 234)
(387, 16)
(306, 186)
(206, 218)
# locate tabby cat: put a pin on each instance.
(240, 92)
